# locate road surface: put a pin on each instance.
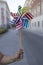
(32, 45)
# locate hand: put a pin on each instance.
(19, 55)
(11, 59)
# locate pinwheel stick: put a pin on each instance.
(21, 38)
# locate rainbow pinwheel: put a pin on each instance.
(22, 19)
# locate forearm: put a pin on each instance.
(8, 59)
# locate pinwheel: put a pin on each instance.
(22, 21)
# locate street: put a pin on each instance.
(32, 46)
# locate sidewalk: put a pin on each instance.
(40, 33)
(37, 32)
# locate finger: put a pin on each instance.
(21, 51)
